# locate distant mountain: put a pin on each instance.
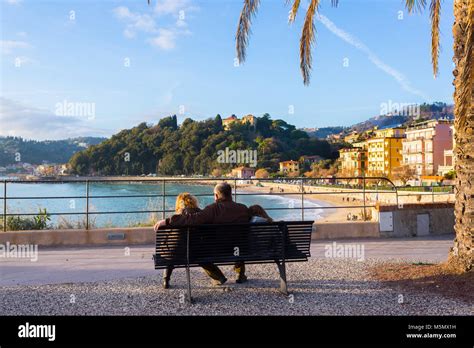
(15, 149)
(380, 122)
(397, 114)
(324, 132)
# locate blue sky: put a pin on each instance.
(181, 61)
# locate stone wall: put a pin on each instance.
(409, 220)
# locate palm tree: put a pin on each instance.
(461, 254)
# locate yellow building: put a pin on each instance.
(250, 119)
(289, 166)
(353, 162)
(384, 154)
(226, 122)
(395, 132)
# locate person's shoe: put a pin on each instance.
(218, 282)
(241, 279)
(165, 283)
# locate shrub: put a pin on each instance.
(20, 223)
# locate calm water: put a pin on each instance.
(71, 205)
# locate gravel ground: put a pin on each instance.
(319, 287)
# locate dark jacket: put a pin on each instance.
(220, 212)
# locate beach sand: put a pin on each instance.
(335, 209)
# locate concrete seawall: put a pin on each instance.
(336, 230)
(140, 236)
(105, 236)
(408, 220)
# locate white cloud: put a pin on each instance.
(9, 46)
(166, 7)
(162, 37)
(18, 119)
(13, 2)
(353, 41)
(122, 12)
(21, 34)
(135, 22)
(166, 40)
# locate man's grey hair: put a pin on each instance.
(223, 191)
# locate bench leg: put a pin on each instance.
(283, 284)
(188, 277)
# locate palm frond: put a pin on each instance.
(435, 9)
(243, 29)
(467, 76)
(294, 10)
(415, 5)
(307, 40)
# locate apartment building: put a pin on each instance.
(353, 162)
(428, 147)
(390, 132)
(384, 154)
(449, 158)
(384, 151)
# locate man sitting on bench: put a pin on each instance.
(222, 211)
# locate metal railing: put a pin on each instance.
(304, 186)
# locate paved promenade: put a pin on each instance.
(73, 265)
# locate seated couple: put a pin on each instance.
(222, 211)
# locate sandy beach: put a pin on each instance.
(335, 208)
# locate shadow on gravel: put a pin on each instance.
(427, 278)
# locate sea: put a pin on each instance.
(117, 204)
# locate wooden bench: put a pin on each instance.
(225, 244)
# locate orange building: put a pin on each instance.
(289, 167)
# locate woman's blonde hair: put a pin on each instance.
(185, 200)
(257, 210)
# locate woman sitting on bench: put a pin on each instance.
(188, 204)
(258, 214)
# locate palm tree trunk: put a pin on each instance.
(461, 254)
